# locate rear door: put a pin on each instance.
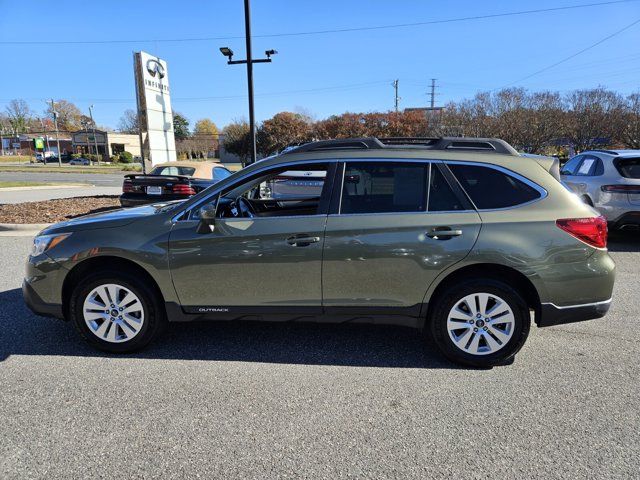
(394, 226)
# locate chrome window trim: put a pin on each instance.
(542, 191)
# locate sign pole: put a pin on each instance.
(55, 123)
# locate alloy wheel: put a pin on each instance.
(480, 323)
(113, 313)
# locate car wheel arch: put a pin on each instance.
(105, 263)
(492, 271)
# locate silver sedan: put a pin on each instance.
(608, 180)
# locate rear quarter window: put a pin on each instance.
(489, 188)
(628, 167)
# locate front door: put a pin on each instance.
(264, 251)
(399, 225)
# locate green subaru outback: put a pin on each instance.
(463, 239)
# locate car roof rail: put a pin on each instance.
(488, 145)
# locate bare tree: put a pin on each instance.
(19, 115)
(630, 131)
(128, 122)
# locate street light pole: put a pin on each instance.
(227, 52)
(247, 34)
(95, 140)
(55, 123)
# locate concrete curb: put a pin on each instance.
(21, 229)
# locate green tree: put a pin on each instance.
(69, 115)
(237, 140)
(205, 127)
(180, 126)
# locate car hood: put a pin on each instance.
(110, 219)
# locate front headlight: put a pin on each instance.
(42, 243)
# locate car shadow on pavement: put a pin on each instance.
(23, 333)
(624, 241)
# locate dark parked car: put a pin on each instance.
(170, 181)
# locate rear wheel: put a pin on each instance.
(116, 312)
(480, 323)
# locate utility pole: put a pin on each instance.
(44, 154)
(95, 140)
(396, 97)
(55, 123)
(433, 93)
(227, 52)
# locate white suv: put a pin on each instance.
(608, 180)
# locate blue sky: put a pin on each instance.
(321, 74)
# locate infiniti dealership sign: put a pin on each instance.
(154, 109)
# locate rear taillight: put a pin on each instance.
(183, 189)
(620, 188)
(592, 230)
(127, 186)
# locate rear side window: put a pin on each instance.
(171, 170)
(383, 187)
(628, 167)
(490, 188)
(441, 196)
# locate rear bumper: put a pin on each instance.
(551, 314)
(127, 200)
(39, 306)
(626, 219)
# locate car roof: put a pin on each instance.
(615, 153)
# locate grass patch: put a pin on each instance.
(15, 158)
(69, 169)
(22, 184)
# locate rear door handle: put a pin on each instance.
(302, 240)
(443, 233)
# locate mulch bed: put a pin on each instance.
(58, 210)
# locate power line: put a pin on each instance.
(593, 45)
(318, 32)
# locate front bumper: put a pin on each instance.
(551, 314)
(39, 306)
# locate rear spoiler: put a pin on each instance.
(176, 178)
(550, 164)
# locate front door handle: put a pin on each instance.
(302, 240)
(443, 233)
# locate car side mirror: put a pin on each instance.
(207, 214)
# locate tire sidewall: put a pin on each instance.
(440, 334)
(150, 326)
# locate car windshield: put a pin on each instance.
(173, 170)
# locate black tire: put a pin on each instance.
(439, 335)
(154, 314)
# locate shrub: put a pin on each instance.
(115, 158)
(76, 155)
(126, 157)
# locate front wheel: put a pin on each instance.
(115, 312)
(480, 323)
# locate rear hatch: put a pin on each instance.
(629, 168)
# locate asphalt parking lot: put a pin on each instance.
(314, 401)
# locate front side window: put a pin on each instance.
(490, 188)
(277, 192)
(570, 167)
(384, 187)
